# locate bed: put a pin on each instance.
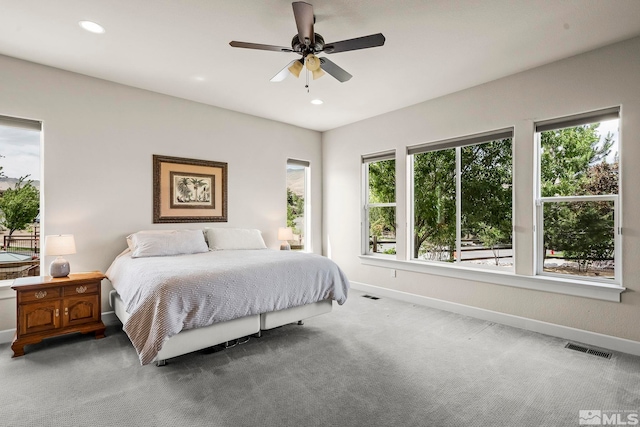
(175, 298)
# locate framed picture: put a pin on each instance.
(189, 190)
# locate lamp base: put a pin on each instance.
(285, 246)
(59, 268)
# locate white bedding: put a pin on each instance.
(165, 295)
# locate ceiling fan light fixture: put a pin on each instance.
(307, 43)
(295, 68)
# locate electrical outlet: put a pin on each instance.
(393, 273)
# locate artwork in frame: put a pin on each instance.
(189, 190)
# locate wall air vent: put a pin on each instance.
(371, 297)
(599, 353)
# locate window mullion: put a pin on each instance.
(365, 209)
(411, 229)
(617, 241)
(539, 238)
(380, 205)
(458, 204)
(588, 198)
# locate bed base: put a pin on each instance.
(197, 339)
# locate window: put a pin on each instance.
(577, 196)
(19, 198)
(379, 214)
(298, 207)
(462, 200)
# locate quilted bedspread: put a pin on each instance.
(165, 295)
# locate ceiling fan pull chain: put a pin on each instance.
(307, 76)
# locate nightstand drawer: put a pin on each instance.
(87, 288)
(39, 294)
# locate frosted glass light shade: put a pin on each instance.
(295, 68)
(313, 63)
(317, 73)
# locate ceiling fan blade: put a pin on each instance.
(335, 71)
(303, 12)
(284, 73)
(365, 42)
(260, 46)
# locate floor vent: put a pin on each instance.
(599, 353)
(371, 297)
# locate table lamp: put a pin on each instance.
(57, 245)
(285, 234)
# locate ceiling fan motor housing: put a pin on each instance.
(303, 49)
(307, 43)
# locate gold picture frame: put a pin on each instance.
(189, 190)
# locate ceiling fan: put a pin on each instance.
(307, 44)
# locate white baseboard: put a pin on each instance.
(7, 335)
(578, 335)
(108, 317)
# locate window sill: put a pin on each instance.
(5, 289)
(581, 288)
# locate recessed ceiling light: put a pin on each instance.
(317, 101)
(92, 27)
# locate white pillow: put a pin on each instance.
(177, 242)
(234, 238)
(130, 241)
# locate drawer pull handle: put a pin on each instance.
(57, 312)
(41, 294)
(81, 289)
(66, 311)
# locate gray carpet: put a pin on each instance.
(368, 363)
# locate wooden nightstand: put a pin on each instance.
(48, 306)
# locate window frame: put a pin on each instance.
(366, 160)
(525, 170)
(34, 125)
(306, 247)
(457, 144)
(538, 253)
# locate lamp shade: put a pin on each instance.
(285, 233)
(59, 244)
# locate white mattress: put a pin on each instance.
(165, 295)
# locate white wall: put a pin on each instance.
(99, 138)
(595, 80)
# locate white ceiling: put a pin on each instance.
(433, 47)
